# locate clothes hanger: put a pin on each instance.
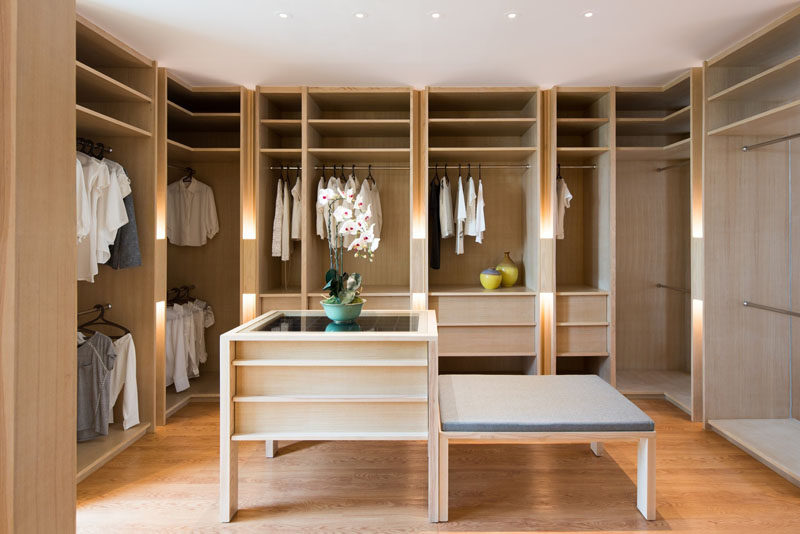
(469, 171)
(353, 173)
(369, 175)
(480, 175)
(436, 179)
(445, 173)
(189, 175)
(342, 177)
(558, 172)
(323, 175)
(459, 170)
(100, 320)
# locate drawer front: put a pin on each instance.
(280, 303)
(373, 303)
(582, 339)
(484, 310)
(320, 380)
(477, 340)
(581, 308)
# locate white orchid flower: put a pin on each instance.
(374, 246)
(349, 194)
(325, 196)
(348, 227)
(342, 213)
(360, 204)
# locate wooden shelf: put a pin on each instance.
(582, 354)
(93, 454)
(93, 86)
(361, 127)
(90, 123)
(386, 291)
(281, 293)
(580, 151)
(180, 119)
(330, 363)
(285, 127)
(283, 153)
(476, 290)
(361, 154)
(778, 122)
(96, 47)
(673, 386)
(673, 124)
(579, 323)
(579, 126)
(485, 354)
(179, 151)
(505, 127)
(483, 154)
(771, 441)
(206, 386)
(579, 290)
(332, 398)
(677, 150)
(356, 435)
(778, 84)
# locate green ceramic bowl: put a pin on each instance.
(343, 313)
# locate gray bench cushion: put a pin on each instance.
(547, 403)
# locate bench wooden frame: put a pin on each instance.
(646, 465)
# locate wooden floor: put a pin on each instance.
(168, 481)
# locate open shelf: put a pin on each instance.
(205, 386)
(280, 293)
(503, 127)
(478, 103)
(385, 290)
(283, 153)
(771, 441)
(485, 354)
(93, 454)
(181, 118)
(91, 123)
(94, 47)
(579, 126)
(780, 121)
(579, 290)
(180, 152)
(361, 127)
(323, 436)
(580, 151)
(332, 398)
(773, 85)
(284, 126)
(581, 354)
(360, 154)
(94, 86)
(482, 154)
(633, 101)
(673, 124)
(330, 363)
(677, 150)
(384, 103)
(673, 386)
(477, 290)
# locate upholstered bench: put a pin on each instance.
(540, 409)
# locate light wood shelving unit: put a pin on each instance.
(487, 331)
(115, 93)
(659, 185)
(752, 359)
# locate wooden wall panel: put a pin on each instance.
(794, 147)
(652, 247)
(746, 214)
(37, 266)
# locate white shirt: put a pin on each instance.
(176, 353)
(191, 213)
(297, 210)
(372, 197)
(460, 217)
(563, 196)
(83, 206)
(97, 180)
(472, 198)
(321, 223)
(286, 224)
(446, 208)
(111, 212)
(124, 374)
(190, 341)
(277, 221)
(480, 217)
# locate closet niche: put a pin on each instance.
(492, 134)
(581, 123)
(203, 138)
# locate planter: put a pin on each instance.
(343, 313)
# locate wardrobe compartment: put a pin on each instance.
(582, 121)
(115, 91)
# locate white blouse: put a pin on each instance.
(191, 213)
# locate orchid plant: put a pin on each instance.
(349, 226)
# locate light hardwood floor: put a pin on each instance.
(168, 482)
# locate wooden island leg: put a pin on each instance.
(646, 478)
(444, 483)
(228, 481)
(271, 447)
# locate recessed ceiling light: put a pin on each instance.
(283, 15)
(588, 14)
(511, 16)
(435, 15)
(360, 15)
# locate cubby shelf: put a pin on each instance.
(361, 154)
(92, 123)
(772, 85)
(180, 152)
(361, 127)
(286, 153)
(94, 86)
(485, 354)
(506, 127)
(93, 454)
(279, 293)
(780, 121)
(290, 127)
(580, 151)
(677, 150)
(672, 124)
(582, 354)
(386, 290)
(579, 290)
(475, 290)
(181, 118)
(579, 126)
(483, 154)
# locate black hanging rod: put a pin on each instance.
(90, 148)
(96, 308)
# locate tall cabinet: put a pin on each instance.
(751, 231)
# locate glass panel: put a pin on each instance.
(318, 322)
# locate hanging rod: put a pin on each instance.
(749, 304)
(405, 167)
(681, 164)
(96, 308)
(485, 165)
(577, 166)
(748, 148)
(673, 288)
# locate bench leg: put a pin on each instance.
(597, 448)
(271, 448)
(229, 480)
(646, 478)
(443, 478)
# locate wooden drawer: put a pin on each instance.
(581, 308)
(373, 303)
(484, 310)
(590, 340)
(488, 340)
(280, 303)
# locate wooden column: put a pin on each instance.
(37, 266)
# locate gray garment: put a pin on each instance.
(95, 362)
(538, 403)
(125, 250)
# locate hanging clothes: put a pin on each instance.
(124, 251)
(277, 221)
(176, 353)
(96, 359)
(191, 213)
(333, 185)
(286, 224)
(372, 197)
(123, 380)
(434, 225)
(563, 197)
(460, 217)
(480, 216)
(470, 226)
(83, 206)
(320, 211)
(446, 208)
(111, 211)
(350, 184)
(96, 181)
(202, 318)
(297, 210)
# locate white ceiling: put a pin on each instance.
(626, 42)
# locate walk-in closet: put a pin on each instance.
(484, 138)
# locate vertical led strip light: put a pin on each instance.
(248, 306)
(546, 328)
